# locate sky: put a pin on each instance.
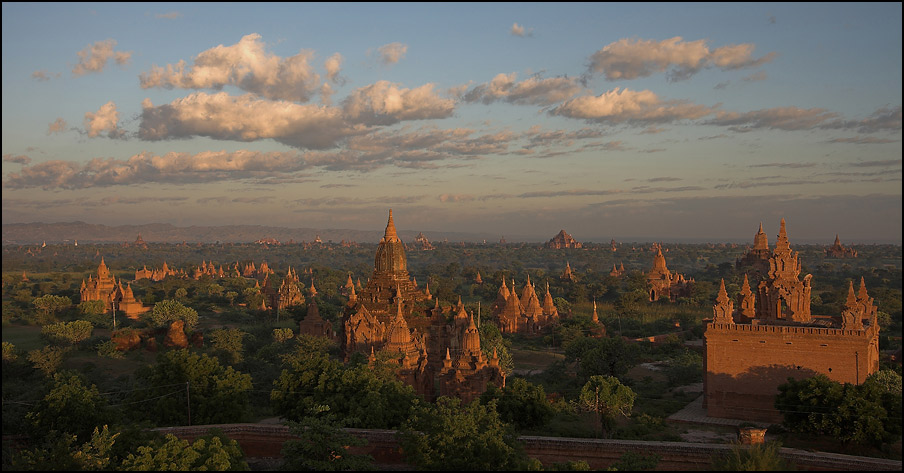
(623, 120)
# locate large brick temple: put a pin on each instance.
(772, 336)
(437, 349)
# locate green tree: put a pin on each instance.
(91, 308)
(9, 352)
(67, 333)
(58, 452)
(229, 341)
(70, 407)
(167, 311)
(634, 461)
(282, 335)
(868, 413)
(214, 452)
(449, 436)
(602, 356)
(608, 398)
(47, 359)
(491, 341)
(217, 395)
(48, 305)
(322, 445)
(520, 403)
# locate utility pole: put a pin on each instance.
(188, 400)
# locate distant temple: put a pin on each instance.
(431, 347)
(772, 336)
(563, 240)
(422, 242)
(664, 283)
(839, 251)
(157, 274)
(567, 274)
(114, 296)
(756, 260)
(526, 315)
(617, 272)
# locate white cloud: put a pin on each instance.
(333, 65)
(106, 119)
(246, 65)
(391, 53)
(94, 57)
(58, 126)
(633, 58)
(246, 118)
(520, 30)
(627, 106)
(533, 90)
(384, 103)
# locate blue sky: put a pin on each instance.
(627, 120)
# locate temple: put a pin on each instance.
(839, 251)
(756, 260)
(436, 350)
(157, 274)
(563, 240)
(664, 283)
(525, 315)
(771, 335)
(114, 296)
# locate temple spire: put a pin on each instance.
(390, 234)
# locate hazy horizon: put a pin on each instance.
(674, 122)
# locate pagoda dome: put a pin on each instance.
(391, 253)
(470, 342)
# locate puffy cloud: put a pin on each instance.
(106, 119)
(391, 53)
(384, 103)
(245, 118)
(40, 75)
(246, 65)
(519, 30)
(333, 65)
(171, 168)
(628, 106)
(533, 90)
(633, 58)
(18, 159)
(94, 57)
(780, 118)
(58, 126)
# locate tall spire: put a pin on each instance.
(390, 234)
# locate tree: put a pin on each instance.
(9, 352)
(491, 340)
(214, 452)
(228, 340)
(58, 452)
(90, 308)
(602, 356)
(520, 403)
(322, 445)
(167, 311)
(67, 333)
(48, 305)
(608, 398)
(217, 395)
(282, 335)
(70, 407)
(449, 436)
(868, 413)
(47, 359)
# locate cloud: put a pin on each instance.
(170, 168)
(40, 76)
(634, 58)
(883, 119)
(781, 118)
(531, 91)
(384, 103)
(863, 140)
(245, 118)
(627, 106)
(333, 65)
(94, 57)
(456, 198)
(519, 30)
(537, 137)
(106, 119)
(168, 16)
(19, 159)
(784, 165)
(887, 162)
(246, 65)
(391, 53)
(58, 126)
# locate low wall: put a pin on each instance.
(262, 440)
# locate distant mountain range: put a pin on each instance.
(70, 232)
